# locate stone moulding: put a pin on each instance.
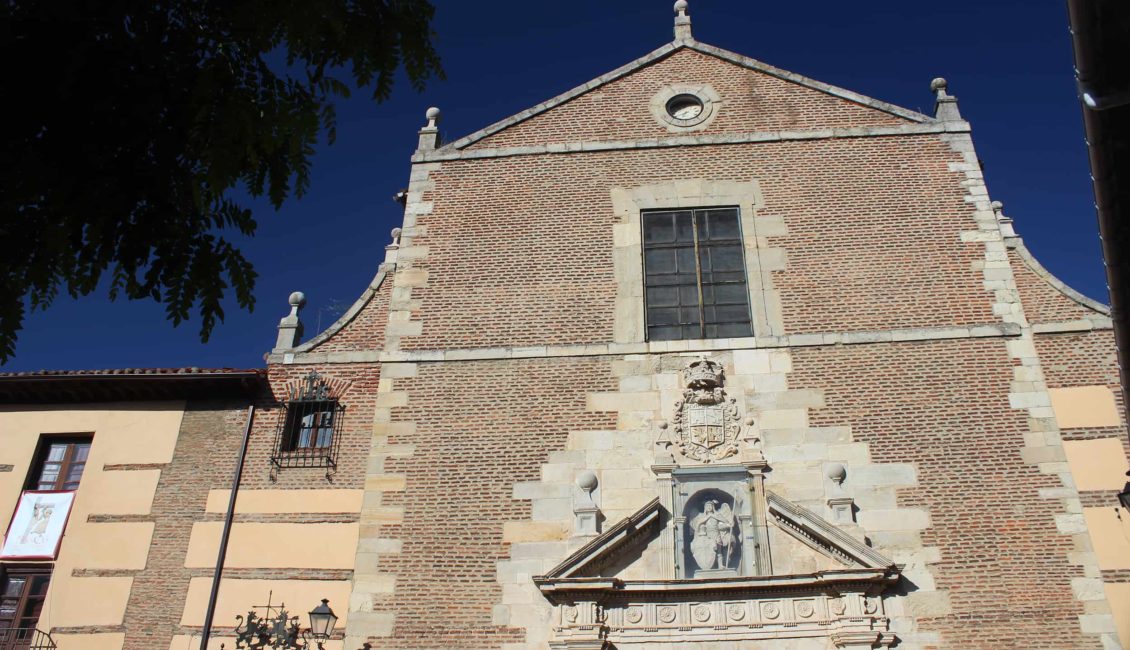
(843, 605)
(813, 531)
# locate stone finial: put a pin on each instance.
(290, 327)
(836, 473)
(429, 135)
(945, 104)
(682, 21)
(1004, 222)
(586, 514)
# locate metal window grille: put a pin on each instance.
(694, 265)
(309, 430)
(25, 638)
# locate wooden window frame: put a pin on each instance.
(40, 459)
(28, 570)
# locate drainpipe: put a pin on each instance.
(220, 556)
(1101, 48)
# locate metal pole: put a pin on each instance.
(227, 531)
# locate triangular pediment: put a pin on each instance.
(588, 567)
(614, 106)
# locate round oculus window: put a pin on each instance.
(684, 107)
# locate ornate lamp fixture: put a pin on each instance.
(322, 622)
(278, 630)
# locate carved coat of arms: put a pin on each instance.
(706, 423)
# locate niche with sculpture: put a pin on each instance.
(712, 535)
(715, 531)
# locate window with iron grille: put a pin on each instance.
(308, 431)
(23, 588)
(694, 269)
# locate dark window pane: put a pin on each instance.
(662, 296)
(686, 260)
(721, 224)
(729, 313)
(728, 294)
(14, 587)
(665, 333)
(658, 228)
(722, 258)
(660, 260)
(688, 295)
(693, 256)
(684, 228)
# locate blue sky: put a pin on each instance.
(1008, 62)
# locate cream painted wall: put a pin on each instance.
(1097, 464)
(109, 641)
(237, 595)
(252, 545)
(1084, 406)
(122, 434)
(1110, 536)
(287, 501)
(1118, 595)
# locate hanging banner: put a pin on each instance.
(37, 526)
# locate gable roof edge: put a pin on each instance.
(667, 49)
(808, 82)
(537, 109)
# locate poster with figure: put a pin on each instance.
(37, 525)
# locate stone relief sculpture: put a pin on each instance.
(714, 533)
(706, 422)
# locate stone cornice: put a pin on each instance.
(821, 580)
(998, 330)
(693, 140)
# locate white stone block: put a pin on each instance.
(894, 520)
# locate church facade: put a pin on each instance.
(702, 353)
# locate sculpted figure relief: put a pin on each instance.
(713, 536)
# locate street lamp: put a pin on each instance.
(278, 630)
(322, 622)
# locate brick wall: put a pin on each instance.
(944, 407)
(366, 331)
(753, 101)
(520, 249)
(205, 454)
(480, 428)
(1043, 303)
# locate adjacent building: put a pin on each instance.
(701, 353)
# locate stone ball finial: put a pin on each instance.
(997, 206)
(836, 473)
(938, 83)
(432, 114)
(586, 480)
(396, 233)
(681, 6)
(297, 299)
